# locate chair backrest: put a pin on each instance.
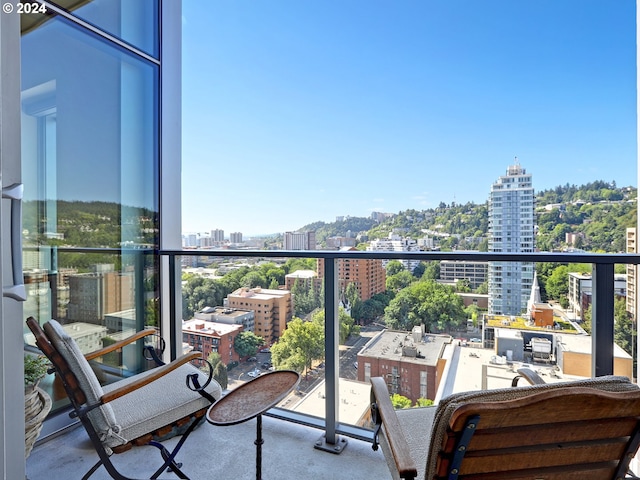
(578, 430)
(81, 383)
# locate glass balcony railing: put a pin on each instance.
(602, 357)
(155, 279)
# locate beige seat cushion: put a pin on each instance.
(142, 411)
(415, 424)
(159, 403)
(102, 418)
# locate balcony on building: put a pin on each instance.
(299, 423)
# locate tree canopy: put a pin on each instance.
(428, 302)
(300, 344)
(247, 343)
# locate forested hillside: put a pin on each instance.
(90, 224)
(598, 213)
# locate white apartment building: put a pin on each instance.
(235, 237)
(632, 274)
(475, 272)
(217, 235)
(300, 240)
(581, 288)
(396, 243)
(511, 229)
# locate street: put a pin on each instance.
(348, 356)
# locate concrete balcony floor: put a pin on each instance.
(217, 452)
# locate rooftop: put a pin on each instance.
(211, 328)
(397, 344)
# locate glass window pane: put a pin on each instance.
(134, 21)
(89, 121)
(90, 174)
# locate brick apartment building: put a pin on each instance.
(272, 308)
(411, 362)
(369, 276)
(212, 336)
(94, 295)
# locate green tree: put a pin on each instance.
(254, 279)
(483, 288)
(400, 402)
(368, 311)
(463, 285)
(428, 302)
(247, 343)
(424, 402)
(432, 271)
(557, 285)
(200, 292)
(300, 344)
(393, 267)
(400, 280)
(586, 320)
(419, 270)
(624, 333)
(347, 324)
(219, 369)
(151, 312)
(351, 294)
(472, 312)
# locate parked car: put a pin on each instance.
(355, 365)
(251, 359)
(266, 365)
(476, 340)
(254, 373)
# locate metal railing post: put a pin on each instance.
(602, 319)
(173, 340)
(331, 441)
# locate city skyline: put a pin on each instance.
(401, 106)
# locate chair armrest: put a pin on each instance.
(529, 375)
(153, 375)
(393, 432)
(118, 345)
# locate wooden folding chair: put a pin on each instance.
(570, 430)
(144, 409)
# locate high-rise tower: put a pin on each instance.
(511, 229)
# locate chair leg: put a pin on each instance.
(169, 457)
(92, 470)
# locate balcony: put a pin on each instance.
(220, 452)
(214, 451)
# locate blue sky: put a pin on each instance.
(297, 111)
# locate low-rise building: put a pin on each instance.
(272, 308)
(475, 272)
(581, 289)
(208, 337)
(229, 316)
(396, 243)
(410, 362)
(574, 356)
(306, 278)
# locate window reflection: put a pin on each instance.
(90, 173)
